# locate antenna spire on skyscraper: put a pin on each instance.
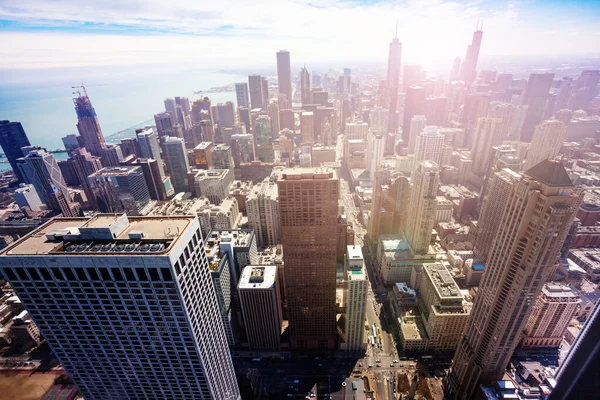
(396, 29)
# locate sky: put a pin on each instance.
(233, 34)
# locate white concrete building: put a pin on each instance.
(213, 183)
(355, 298)
(27, 196)
(262, 207)
(127, 305)
(429, 145)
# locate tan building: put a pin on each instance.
(260, 299)
(355, 299)
(307, 127)
(322, 154)
(214, 184)
(553, 310)
(546, 142)
(444, 309)
(308, 208)
(535, 221)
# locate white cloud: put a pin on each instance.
(196, 32)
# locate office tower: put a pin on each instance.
(455, 71)
(305, 86)
(445, 311)
(88, 125)
(213, 184)
(111, 155)
(417, 124)
(284, 74)
(551, 315)
(71, 142)
(488, 134)
(241, 93)
(577, 376)
(40, 169)
(149, 148)
(390, 196)
(262, 208)
(476, 106)
(121, 189)
(265, 91)
(202, 155)
(287, 120)
(12, 138)
(376, 145)
(468, 70)
(222, 157)
(413, 105)
(355, 297)
(85, 164)
(357, 130)
(512, 125)
(429, 145)
(535, 221)
(27, 196)
(177, 162)
(263, 139)
(546, 142)
(260, 299)
(57, 201)
(307, 127)
(378, 120)
(157, 184)
(256, 96)
(583, 91)
(91, 262)
(171, 108)
(273, 110)
(200, 110)
(242, 149)
(393, 84)
(535, 98)
(308, 208)
(421, 207)
(164, 124)
(226, 115)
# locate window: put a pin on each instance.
(166, 273)
(141, 273)
(93, 274)
(129, 274)
(117, 274)
(80, 274)
(105, 274)
(68, 273)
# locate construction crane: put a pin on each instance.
(82, 86)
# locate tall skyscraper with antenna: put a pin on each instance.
(284, 74)
(87, 122)
(393, 82)
(468, 71)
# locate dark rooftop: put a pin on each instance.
(551, 173)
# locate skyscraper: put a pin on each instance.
(12, 138)
(307, 127)
(265, 91)
(133, 329)
(417, 124)
(429, 145)
(421, 208)
(413, 105)
(263, 139)
(546, 142)
(241, 93)
(356, 289)
(535, 98)
(468, 70)
(88, 125)
(488, 134)
(308, 207)
(305, 86)
(393, 83)
(164, 124)
(273, 110)
(260, 299)
(177, 162)
(256, 88)
(262, 205)
(149, 148)
(284, 74)
(121, 189)
(534, 224)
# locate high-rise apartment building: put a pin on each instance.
(260, 299)
(241, 93)
(421, 209)
(468, 70)
(12, 138)
(535, 98)
(429, 145)
(256, 89)
(177, 162)
(127, 306)
(284, 74)
(305, 87)
(535, 221)
(488, 134)
(551, 315)
(308, 207)
(356, 289)
(262, 207)
(88, 125)
(547, 140)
